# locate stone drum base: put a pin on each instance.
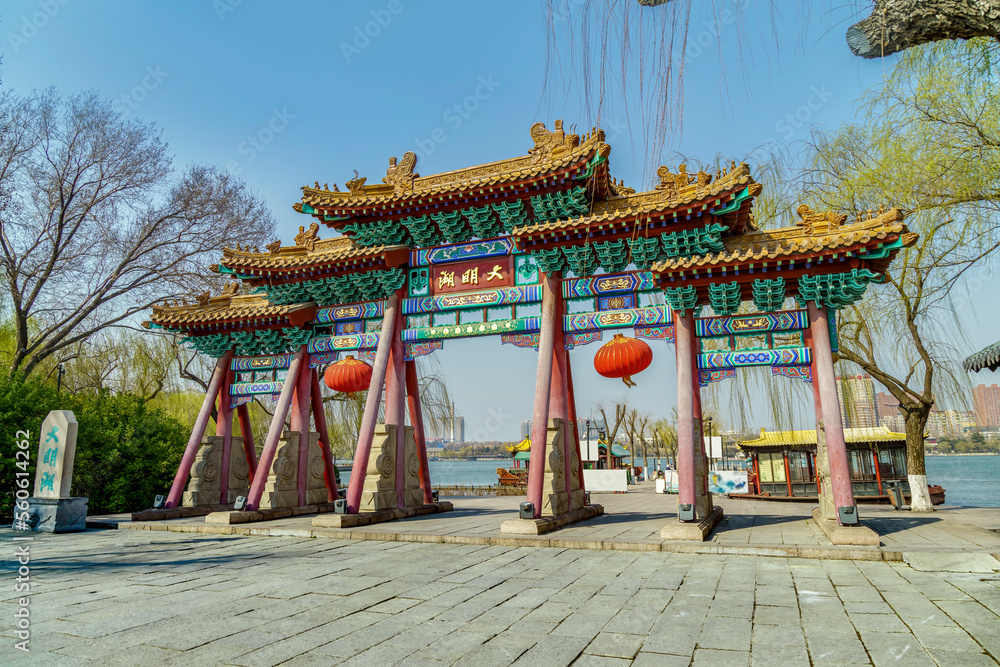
(692, 530)
(57, 515)
(852, 535)
(380, 516)
(549, 523)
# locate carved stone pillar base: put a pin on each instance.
(380, 479)
(826, 504)
(281, 488)
(555, 500)
(205, 486)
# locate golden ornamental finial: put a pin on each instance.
(357, 184)
(819, 223)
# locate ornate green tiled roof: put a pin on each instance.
(985, 358)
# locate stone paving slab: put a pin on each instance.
(952, 562)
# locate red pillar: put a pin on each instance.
(329, 475)
(824, 379)
(543, 385)
(788, 475)
(301, 401)
(224, 428)
(372, 401)
(274, 432)
(878, 473)
(247, 432)
(417, 419)
(194, 442)
(686, 432)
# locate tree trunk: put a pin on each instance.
(915, 419)
(895, 25)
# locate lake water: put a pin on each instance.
(968, 480)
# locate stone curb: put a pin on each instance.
(767, 550)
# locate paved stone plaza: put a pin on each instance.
(633, 521)
(159, 597)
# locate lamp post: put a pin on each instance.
(587, 423)
(59, 379)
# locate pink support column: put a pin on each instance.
(329, 474)
(301, 402)
(817, 403)
(824, 379)
(417, 419)
(372, 402)
(395, 405)
(572, 417)
(224, 428)
(686, 446)
(194, 442)
(247, 433)
(274, 432)
(543, 385)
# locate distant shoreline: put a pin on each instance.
(965, 454)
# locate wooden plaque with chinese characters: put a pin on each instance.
(56, 452)
(472, 276)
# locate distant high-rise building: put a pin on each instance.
(857, 401)
(526, 429)
(887, 408)
(987, 403)
(950, 423)
(886, 405)
(456, 429)
(450, 429)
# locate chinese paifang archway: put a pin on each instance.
(425, 259)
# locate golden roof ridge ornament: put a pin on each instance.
(400, 176)
(306, 239)
(356, 185)
(550, 144)
(819, 223)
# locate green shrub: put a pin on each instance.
(126, 451)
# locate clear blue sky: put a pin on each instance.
(213, 74)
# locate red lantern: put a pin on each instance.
(348, 375)
(623, 357)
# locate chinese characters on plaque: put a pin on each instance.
(472, 276)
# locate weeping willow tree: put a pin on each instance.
(345, 411)
(930, 145)
(664, 434)
(609, 50)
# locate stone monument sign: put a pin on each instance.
(51, 508)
